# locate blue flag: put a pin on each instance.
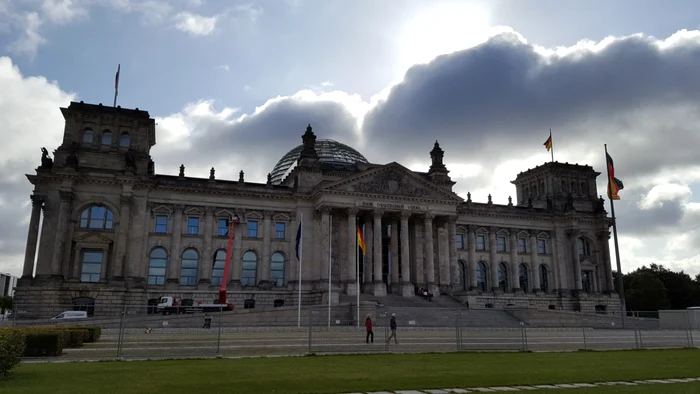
(298, 241)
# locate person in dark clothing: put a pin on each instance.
(368, 328)
(207, 321)
(392, 327)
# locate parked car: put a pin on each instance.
(70, 315)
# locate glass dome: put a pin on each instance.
(329, 152)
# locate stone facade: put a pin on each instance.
(115, 233)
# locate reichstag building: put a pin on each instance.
(114, 232)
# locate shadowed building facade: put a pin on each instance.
(114, 232)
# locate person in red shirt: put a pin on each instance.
(368, 328)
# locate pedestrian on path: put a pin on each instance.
(368, 328)
(392, 327)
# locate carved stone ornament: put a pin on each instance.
(353, 211)
(405, 215)
(37, 200)
(46, 161)
(429, 216)
(393, 182)
(66, 196)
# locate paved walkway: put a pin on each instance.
(536, 387)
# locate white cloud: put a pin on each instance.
(62, 11)
(29, 41)
(660, 193)
(194, 24)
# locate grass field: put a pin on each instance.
(361, 373)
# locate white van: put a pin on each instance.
(70, 315)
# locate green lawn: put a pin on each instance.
(353, 373)
(675, 388)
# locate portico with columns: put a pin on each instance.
(129, 235)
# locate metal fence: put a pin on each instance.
(143, 332)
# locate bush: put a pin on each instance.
(94, 333)
(42, 342)
(76, 337)
(11, 349)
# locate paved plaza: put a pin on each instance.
(538, 387)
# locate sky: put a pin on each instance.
(233, 84)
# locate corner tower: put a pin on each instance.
(101, 138)
(558, 186)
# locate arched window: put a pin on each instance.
(563, 186)
(503, 277)
(544, 279)
(584, 248)
(188, 269)
(217, 272)
(526, 193)
(88, 136)
(157, 261)
(481, 282)
(97, 217)
(106, 137)
(534, 191)
(542, 191)
(277, 265)
(124, 140)
(523, 278)
(573, 187)
(463, 283)
(249, 274)
(584, 189)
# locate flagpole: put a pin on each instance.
(620, 282)
(301, 257)
(116, 85)
(330, 262)
(551, 150)
(357, 274)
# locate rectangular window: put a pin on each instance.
(522, 245)
(459, 241)
(222, 229)
(480, 242)
(252, 229)
(280, 230)
(501, 244)
(541, 246)
(161, 224)
(91, 266)
(193, 226)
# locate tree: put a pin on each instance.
(645, 292)
(5, 303)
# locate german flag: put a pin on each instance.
(548, 144)
(614, 184)
(361, 241)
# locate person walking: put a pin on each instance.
(368, 328)
(392, 327)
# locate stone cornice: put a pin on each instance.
(370, 196)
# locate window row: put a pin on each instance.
(90, 137)
(222, 227)
(190, 260)
(564, 187)
(501, 244)
(504, 284)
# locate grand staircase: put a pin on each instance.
(418, 312)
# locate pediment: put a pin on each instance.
(281, 217)
(93, 238)
(523, 234)
(194, 211)
(482, 231)
(542, 234)
(162, 209)
(392, 179)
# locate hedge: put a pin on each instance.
(12, 344)
(42, 343)
(47, 341)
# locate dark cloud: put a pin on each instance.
(488, 101)
(664, 217)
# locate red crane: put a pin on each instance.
(232, 221)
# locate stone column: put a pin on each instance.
(394, 247)
(369, 256)
(534, 266)
(574, 235)
(559, 266)
(493, 247)
(407, 289)
(452, 234)
(514, 271)
(419, 255)
(236, 265)
(604, 239)
(443, 256)
(61, 227)
(175, 252)
(429, 254)
(120, 260)
(325, 247)
(32, 237)
(207, 261)
(352, 252)
(471, 235)
(378, 284)
(265, 258)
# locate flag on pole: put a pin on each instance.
(614, 184)
(116, 78)
(361, 241)
(298, 241)
(548, 144)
